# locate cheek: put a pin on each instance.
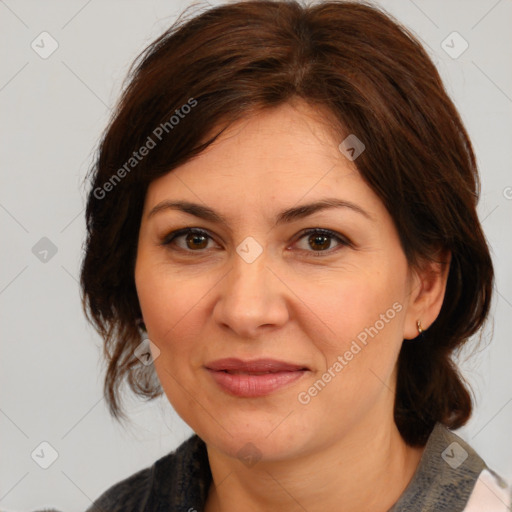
(169, 305)
(365, 315)
(359, 358)
(357, 306)
(164, 296)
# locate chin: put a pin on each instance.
(255, 440)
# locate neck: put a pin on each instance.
(368, 469)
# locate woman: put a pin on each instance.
(283, 239)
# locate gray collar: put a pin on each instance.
(445, 477)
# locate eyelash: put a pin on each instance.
(343, 241)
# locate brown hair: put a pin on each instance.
(379, 83)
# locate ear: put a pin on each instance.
(427, 289)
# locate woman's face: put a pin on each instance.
(333, 304)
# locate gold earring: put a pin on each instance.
(420, 329)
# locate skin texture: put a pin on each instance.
(201, 301)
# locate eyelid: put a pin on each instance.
(167, 239)
(341, 239)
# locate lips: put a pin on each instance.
(233, 365)
(254, 378)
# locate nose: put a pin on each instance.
(251, 298)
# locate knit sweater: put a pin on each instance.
(450, 477)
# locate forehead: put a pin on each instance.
(289, 138)
(287, 150)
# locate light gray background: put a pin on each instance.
(53, 112)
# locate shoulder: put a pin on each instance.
(134, 493)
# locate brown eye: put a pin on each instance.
(196, 241)
(321, 241)
(191, 240)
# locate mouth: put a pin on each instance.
(252, 379)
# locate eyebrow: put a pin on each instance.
(286, 216)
